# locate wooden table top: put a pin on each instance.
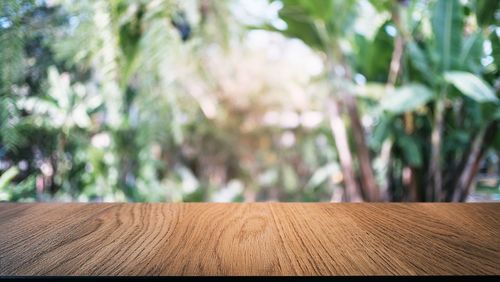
(249, 239)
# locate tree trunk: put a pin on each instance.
(340, 135)
(478, 147)
(397, 55)
(369, 185)
(385, 158)
(434, 185)
(409, 172)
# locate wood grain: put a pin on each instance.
(249, 239)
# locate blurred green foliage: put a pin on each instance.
(205, 100)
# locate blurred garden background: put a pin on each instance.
(249, 100)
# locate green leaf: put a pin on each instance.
(496, 116)
(300, 23)
(381, 132)
(472, 50)
(378, 55)
(22, 191)
(489, 112)
(59, 87)
(420, 61)
(289, 178)
(495, 46)
(382, 5)
(7, 177)
(371, 90)
(411, 150)
(320, 9)
(407, 98)
(496, 141)
(447, 24)
(485, 11)
(10, 136)
(316, 22)
(321, 175)
(471, 86)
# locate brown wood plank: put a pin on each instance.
(249, 239)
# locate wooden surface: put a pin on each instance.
(249, 239)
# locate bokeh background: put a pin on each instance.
(213, 100)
